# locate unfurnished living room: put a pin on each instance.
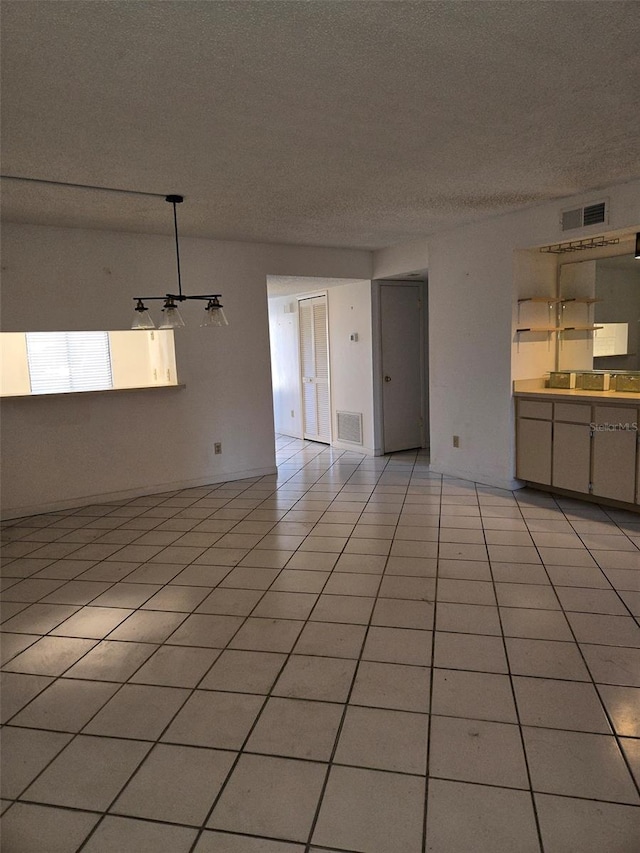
(320, 399)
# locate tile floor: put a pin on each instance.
(357, 655)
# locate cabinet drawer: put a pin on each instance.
(615, 415)
(573, 413)
(534, 409)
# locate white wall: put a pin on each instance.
(61, 452)
(404, 258)
(472, 305)
(350, 362)
(66, 452)
(575, 349)
(533, 353)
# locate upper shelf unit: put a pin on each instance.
(550, 300)
(555, 324)
(591, 328)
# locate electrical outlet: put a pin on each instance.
(293, 414)
(217, 448)
(456, 441)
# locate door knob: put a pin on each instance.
(387, 379)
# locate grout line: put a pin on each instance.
(431, 681)
(608, 717)
(335, 476)
(267, 698)
(514, 699)
(347, 705)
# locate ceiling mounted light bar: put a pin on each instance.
(580, 245)
(214, 312)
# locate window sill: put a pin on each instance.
(179, 386)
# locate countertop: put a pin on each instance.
(527, 388)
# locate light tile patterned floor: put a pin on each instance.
(357, 655)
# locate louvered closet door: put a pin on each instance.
(314, 362)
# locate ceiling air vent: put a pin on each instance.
(350, 427)
(582, 217)
(595, 214)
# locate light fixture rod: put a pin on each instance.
(80, 186)
(176, 199)
(179, 297)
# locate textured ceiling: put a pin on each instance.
(358, 124)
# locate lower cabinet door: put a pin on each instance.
(571, 456)
(533, 450)
(614, 464)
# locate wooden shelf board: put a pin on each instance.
(558, 328)
(578, 328)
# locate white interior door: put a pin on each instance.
(314, 362)
(402, 371)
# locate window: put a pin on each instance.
(35, 364)
(60, 362)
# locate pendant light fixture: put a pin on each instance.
(171, 317)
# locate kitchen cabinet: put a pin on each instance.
(582, 446)
(614, 450)
(533, 442)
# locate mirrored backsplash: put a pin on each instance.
(604, 293)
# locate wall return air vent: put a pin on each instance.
(350, 427)
(581, 217)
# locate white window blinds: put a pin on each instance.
(60, 362)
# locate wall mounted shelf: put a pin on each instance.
(551, 300)
(558, 329)
(578, 328)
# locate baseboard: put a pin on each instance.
(353, 448)
(129, 494)
(510, 484)
(581, 496)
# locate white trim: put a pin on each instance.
(496, 483)
(354, 448)
(129, 494)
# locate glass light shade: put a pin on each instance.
(142, 320)
(171, 318)
(214, 316)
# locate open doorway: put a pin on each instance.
(322, 360)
